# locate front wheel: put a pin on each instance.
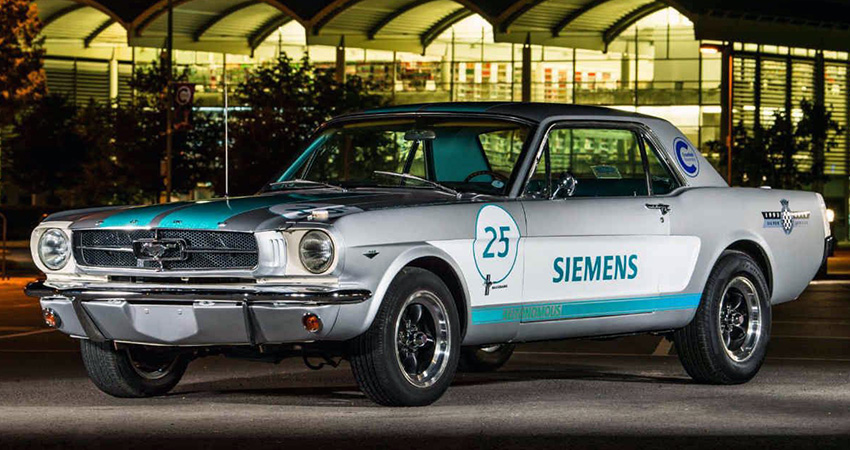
(133, 371)
(726, 342)
(409, 355)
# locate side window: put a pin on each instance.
(604, 162)
(663, 182)
(503, 148)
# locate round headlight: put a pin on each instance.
(54, 250)
(316, 251)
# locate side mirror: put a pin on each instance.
(566, 186)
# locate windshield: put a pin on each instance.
(447, 154)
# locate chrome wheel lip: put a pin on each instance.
(438, 315)
(745, 317)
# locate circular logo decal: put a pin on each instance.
(687, 157)
(184, 95)
(496, 244)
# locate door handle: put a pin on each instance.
(663, 208)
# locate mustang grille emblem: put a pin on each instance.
(159, 249)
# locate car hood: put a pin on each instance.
(260, 212)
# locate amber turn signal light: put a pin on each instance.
(312, 322)
(51, 318)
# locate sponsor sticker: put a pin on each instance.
(606, 172)
(686, 156)
(785, 218)
(496, 244)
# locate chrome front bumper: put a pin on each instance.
(196, 316)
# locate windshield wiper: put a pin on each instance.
(308, 183)
(408, 176)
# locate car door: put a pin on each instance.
(603, 249)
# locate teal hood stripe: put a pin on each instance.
(139, 216)
(207, 215)
(583, 308)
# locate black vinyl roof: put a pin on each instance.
(536, 112)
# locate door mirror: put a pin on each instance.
(566, 186)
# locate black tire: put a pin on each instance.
(113, 370)
(485, 358)
(376, 355)
(700, 344)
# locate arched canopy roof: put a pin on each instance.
(239, 26)
(574, 23)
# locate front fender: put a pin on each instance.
(402, 260)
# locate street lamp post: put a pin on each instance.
(169, 118)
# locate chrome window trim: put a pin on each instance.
(641, 130)
(533, 129)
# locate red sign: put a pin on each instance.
(184, 96)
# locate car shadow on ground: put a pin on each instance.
(305, 388)
(585, 373)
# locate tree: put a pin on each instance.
(126, 144)
(21, 68)
(21, 52)
(285, 102)
(815, 133)
(780, 144)
(774, 158)
(751, 165)
(46, 152)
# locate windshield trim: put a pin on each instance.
(371, 117)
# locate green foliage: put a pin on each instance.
(772, 156)
(46, 152)
(813, 135)
(286, 101)
(751, 164)
(112, 153)
(21, 52)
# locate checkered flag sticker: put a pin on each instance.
(785, 218)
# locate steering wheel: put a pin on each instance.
(478, 173)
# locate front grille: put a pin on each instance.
(202, 250)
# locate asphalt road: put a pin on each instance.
(624, 393)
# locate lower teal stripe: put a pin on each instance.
(538, 312)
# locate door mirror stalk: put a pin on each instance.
(566, 183)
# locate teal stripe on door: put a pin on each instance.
(539, 312)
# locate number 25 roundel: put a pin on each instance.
(496, 243)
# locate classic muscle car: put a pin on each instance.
(414, 241)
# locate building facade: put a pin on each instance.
(648, 59)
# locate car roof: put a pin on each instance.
(536, 112)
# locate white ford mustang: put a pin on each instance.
(417, 239)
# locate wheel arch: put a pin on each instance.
(447, 274)
(757, 252)
(438, 262)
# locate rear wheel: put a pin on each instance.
(409, 355)
(726, 342)
(133, 371)
(485, 358)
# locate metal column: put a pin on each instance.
(339, 73)
(526, 69)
